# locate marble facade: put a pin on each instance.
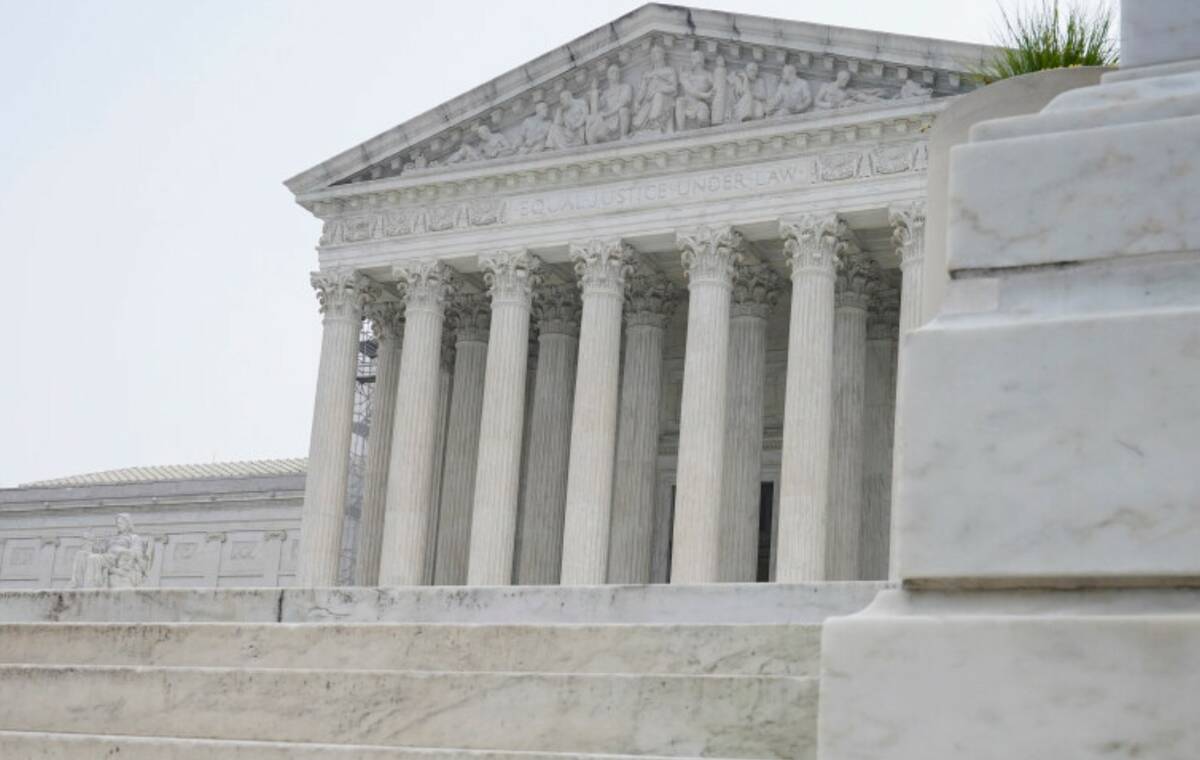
(732, 200)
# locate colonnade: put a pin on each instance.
(575, 475)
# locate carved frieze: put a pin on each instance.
(647, 91)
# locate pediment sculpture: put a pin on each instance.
(662, 99)
(120, 561)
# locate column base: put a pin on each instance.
(1036, 674)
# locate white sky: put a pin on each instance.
(155, 305)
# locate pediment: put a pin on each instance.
(658, 73)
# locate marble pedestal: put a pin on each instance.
(1047, 508)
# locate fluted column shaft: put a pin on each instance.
(511, 276)
(557, 312)
(388, 321)
(908, 233)
(650, 300)
(445, 388)
(846, 425)
(756, 289)
(471, 316)
(411, 478)
(341, 295)
(810, 244)
(709, 256)
(878, 429)
(601, 266)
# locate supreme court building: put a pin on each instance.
(637, 306)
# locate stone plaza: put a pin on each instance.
(743, 388)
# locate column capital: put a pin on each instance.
(557, 309)
(883, 312)
(426, 283)
(602, 265)
(342, 292)
(709, 254)
(650, 298)
(811, 243)
(471, 314)
(755, 290)
(387, 319)
(908, 231)
(511, 275)
(857, 275)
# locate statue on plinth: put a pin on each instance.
(120, 561)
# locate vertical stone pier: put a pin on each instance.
(387, 319)
(556, 310)
(341, 294)
(511, 276)
(650, 300)
(810, 248)
(601, 266)
(755, 292)
(709, 255)
(410, 487)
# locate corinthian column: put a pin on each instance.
(908, 232)
(809, 245)
(880, 410)
(601, 266)
(511, 276)
(755, 292)
(857, 273)
(411, 477)
(471, 314)
(341, 295)
(387, 319)
(709, 255)
(445, 386)
(556, 312)
(650, 300)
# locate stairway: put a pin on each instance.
(199, 690)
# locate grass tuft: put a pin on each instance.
(1047, 36)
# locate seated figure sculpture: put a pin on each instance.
(792, 95)
(694, 105)
(749, 94)
(120, 561)
(611, 111)
(570, 122)
(532, 137)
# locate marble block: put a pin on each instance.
(1033, 675)
(1054, 451)
(1161, 31)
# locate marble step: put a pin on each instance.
(32, 745)
(691, 715)
(677, 649)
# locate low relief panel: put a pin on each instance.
(652, 94)
(400, 222)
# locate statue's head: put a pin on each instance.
(720, 62)
(483, 132)
(788, 74)
(843, 78)
(697, 58)
(658, 56)
(564, 97)
(614, 74)
(752, 70)
(540, 109)
(124, 524)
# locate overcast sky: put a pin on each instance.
(155, 307)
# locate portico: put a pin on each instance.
(686, 293)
